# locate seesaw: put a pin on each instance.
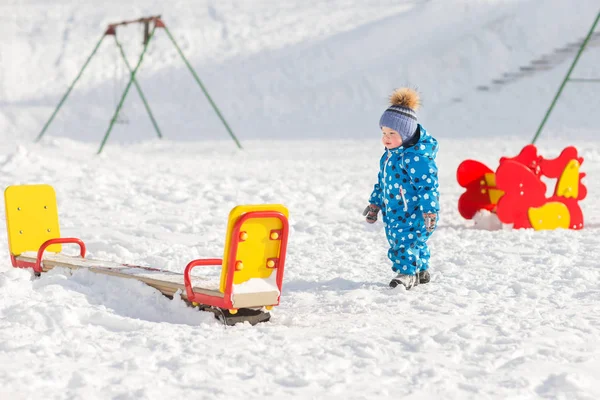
(251, 269)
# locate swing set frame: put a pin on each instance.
(155, 22)
(568, 79)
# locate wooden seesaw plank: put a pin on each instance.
(166, 282)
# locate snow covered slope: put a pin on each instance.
(293, 70)
(508, 314)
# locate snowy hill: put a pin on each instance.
(508, 314)
(306, 68)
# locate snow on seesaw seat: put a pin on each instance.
(507, 314)
(257, 285)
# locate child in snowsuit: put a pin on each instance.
(406, 191)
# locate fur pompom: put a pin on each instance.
(406, 97)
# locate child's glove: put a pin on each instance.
(430, 220)
(371, 212)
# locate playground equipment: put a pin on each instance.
(156, 23)
(251, 268)
(568, 78)
(517, 194)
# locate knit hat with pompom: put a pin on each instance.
(401, 115)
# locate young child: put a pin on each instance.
(406, 191)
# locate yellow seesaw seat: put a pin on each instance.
(31, 218)
(251, 269)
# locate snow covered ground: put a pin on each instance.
(508, 314)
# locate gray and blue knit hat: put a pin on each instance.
(401, 116)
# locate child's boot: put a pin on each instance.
(408, 281)
(424, 276)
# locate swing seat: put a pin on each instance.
(251, 268)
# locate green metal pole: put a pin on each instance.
(587, 38)
(203, 88)
(139, 89)
(69, 90)
(131, 79)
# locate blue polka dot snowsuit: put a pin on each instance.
(407, 187)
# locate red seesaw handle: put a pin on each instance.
(40, 254)
(195, 263)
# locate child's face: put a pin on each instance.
(390, 138)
